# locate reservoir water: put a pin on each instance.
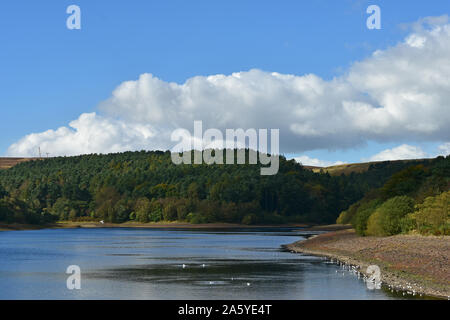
(130, 263)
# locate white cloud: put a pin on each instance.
(90, 133)
(307, 161)
(444, 149)
(402, 152)
(401, 93)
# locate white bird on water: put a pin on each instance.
(184, 266)
(203, 265)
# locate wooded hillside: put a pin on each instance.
(147, 186)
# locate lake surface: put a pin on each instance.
(148, 264)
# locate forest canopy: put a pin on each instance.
(146, 186)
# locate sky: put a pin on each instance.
(138, 70)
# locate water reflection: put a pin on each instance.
(170, 264)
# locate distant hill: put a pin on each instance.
(6, 163)
(349, 168)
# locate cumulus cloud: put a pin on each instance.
(402, 152)
(400, 93)
(307, 161)
(90, 133)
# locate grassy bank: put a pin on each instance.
(408, 262)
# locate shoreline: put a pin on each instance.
(413, 264)
(163, 225)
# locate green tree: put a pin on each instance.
(170, 212)
(387, 219)
(61, 208)
(156, 211)
(142, 210)
(432, 216)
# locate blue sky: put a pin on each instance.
(50, 75)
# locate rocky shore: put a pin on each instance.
(411, 263)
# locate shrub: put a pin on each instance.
(432, 216)
(155, 215)
(181, 211)
(346, 216)
(170, 212)
(343, 218)
(392, 212)
(408, 223)
(275, 218)
(196, 218)
(142, 209)
(250, 218)
(374, 225)
(155, 211)
(364, 211)
(360, 223)
(387, 218)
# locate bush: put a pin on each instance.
(360, 221)
(48, 218)
(343, 218)
(155, 215)
(387, 219)
(347, 216)
(374, 225)
(182, 211)
(170, 212)
(393, 211)
(432, 216)
(142, 209)
(195, 218)
(156, 211)
(275, 218)
(360, 218)
(408, 223)
(250, 218)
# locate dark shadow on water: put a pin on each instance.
(225, 270)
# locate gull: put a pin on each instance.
(184, 266)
